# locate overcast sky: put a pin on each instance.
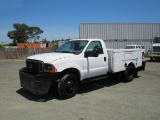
(61, 18)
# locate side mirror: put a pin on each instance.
(93, 53)
(86, 54)
(96, 50)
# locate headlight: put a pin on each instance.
(49, 68)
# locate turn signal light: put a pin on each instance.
(49, 68)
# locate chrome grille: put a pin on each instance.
(34, 66)
(156, 49)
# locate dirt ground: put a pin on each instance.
(108, 99)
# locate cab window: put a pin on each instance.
(143, 47)
(95, 44)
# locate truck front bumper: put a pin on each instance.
(154, 55)
(37, 84)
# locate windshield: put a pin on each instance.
(74, 47)
(156, 40)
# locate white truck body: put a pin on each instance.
(67, 67)
(154, 53)
(119, 57)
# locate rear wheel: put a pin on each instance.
(68, 86)
(136, 73)
(129, 73)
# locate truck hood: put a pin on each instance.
(50, 57)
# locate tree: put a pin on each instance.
(19, 34)
(45, 40)
(34, 33)
(22, 33)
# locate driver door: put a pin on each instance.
(95, 66)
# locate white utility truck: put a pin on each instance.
(154, 53)
(79, 60)
(136, 47)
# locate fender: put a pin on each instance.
(76, 62)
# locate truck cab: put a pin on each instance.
(86, 53)
(154, 53)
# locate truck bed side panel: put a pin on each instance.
(119, 57)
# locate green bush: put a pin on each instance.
(55, 46)
(146, 55)
(2, 46)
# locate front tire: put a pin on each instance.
(129, 73)
(68, 86)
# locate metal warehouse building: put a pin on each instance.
(118, 35)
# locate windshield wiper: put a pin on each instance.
(65, 52)
(68, 52)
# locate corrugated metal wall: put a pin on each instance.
(117, 35)
(109, 31)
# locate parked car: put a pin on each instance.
(136, 47)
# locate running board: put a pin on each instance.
(94, 78)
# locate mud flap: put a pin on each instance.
(142, 68)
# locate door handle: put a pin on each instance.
(104, 58)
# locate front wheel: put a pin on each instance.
(68, 86)
(129, 73)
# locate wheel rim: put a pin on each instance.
(70, 87)
(131, 72)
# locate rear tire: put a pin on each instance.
(129, 73)
(136, 73)
(68, 86)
